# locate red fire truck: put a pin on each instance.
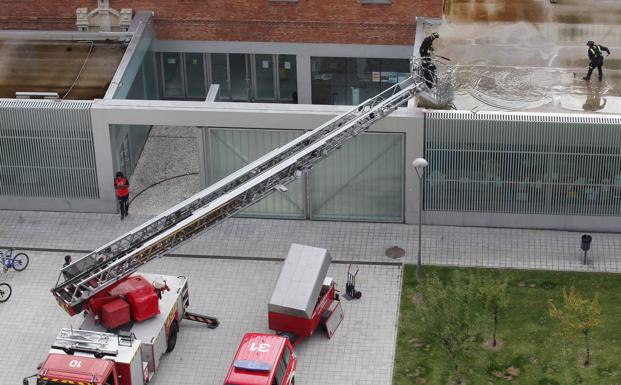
(144, 312)
(263, 359)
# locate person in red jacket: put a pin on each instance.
(121, 186)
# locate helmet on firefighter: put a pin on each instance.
(435, 35)
(590, 42)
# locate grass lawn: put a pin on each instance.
(530, 339)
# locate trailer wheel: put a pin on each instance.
(290, 336)
(172, 336)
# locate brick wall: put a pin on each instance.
(311, 21)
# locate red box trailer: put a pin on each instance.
(304, 297)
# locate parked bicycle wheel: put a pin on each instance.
(20, 261)
(5, 292)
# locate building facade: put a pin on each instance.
(514, 169)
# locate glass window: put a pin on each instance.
(329, 83)
(286, 355)
(287, 78)
(195, 75)
(173, 85)
(281, 370)
(353, 80)
(264, 72)
(219, 73)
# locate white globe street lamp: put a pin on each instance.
(419, 165)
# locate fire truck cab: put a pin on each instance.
(93, 358)
(263, 359)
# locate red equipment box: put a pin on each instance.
(144, 304)
(115, 314)
(140, 295)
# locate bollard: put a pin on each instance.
(585, 245)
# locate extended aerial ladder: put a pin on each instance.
(118, 259)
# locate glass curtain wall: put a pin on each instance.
(350, 81)
(232, 149)
(523, 167)
(242, 77)
(361, 181)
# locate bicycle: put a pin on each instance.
(5, 292)
(18, 262)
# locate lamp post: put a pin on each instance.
(419, 165)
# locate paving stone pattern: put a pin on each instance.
(235, 291)
(365, 242)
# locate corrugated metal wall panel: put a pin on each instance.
(523, 163)
(47, 149)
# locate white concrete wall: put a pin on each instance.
(408, 121)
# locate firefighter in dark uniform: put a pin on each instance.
(596, 59)
(425, 51)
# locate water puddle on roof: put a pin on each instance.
(532, 54)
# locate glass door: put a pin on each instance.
(195, 75)
(239, 77)
(264, 79)
(220, 73)
(171, 72)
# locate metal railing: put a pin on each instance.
(437, 75)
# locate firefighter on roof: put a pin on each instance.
(596, 59)
(425, 51)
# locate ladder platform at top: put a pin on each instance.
(123, 256)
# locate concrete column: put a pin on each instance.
(103, 158)
(303, 68)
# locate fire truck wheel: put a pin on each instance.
(172, 336)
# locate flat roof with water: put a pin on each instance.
(531, 55)
(78, 70)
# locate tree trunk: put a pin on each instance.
(495, 325)
(587, 362)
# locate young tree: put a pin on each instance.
(448, 317)
(577, 315)
(492, 293)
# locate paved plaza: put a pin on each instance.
(235, 291)
(233, 268)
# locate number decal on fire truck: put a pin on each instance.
(75, 364)
(263, 348)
